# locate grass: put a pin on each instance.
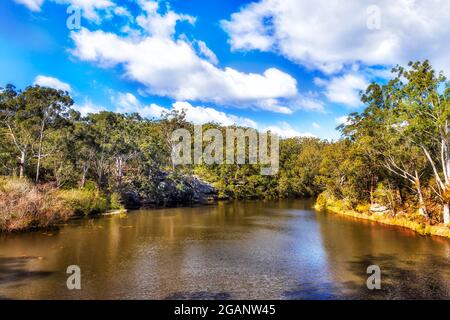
(25, 206)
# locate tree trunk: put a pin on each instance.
(422, 207)
(446, 213)
(41, 136)
(22, 164)
(119, 165)
(83, 178)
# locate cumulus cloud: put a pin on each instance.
(200, 115)
(88, 107)
(171, 68)
(89, 8)
(342, 120)
(328, 35)
(285, 130)
(207, 52)
(344, 89)
(51, 82)
(170, 65)
(128, 103)
(33, 5)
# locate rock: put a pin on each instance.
(164, 189)
(379, 209)
(203, 192)
(131, 199)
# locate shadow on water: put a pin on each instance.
(400, 279)
(423, 278)
(14, 270)
(201, 295)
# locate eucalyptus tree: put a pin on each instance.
(15, 118)
(424, 108)
(405, 126)
(47, 110)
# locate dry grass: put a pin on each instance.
(25, 206)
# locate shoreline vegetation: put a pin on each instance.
(414, 222)
(391, 164)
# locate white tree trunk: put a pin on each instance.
(446, 213)
(41, 137)
(422, 207)
(22, 164)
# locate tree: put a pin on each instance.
(15, 123)
(48, 108)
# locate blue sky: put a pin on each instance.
(294, 67)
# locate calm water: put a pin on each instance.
(241, 250)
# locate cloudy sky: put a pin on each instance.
(292, 66)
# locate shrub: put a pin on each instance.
(321, 201)
(116, 202)
(25, 206)
(84, 202)
(363, 208)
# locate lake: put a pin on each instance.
(232, 250)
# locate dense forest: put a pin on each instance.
(55, 163)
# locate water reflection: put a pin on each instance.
(278, 250)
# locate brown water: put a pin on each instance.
(241, 250)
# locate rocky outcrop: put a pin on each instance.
(168, 189)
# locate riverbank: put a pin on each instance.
(425, 229)
(25, 206)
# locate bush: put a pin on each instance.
(116, 202)
(25, 206)
(321, 201)
(84, 202)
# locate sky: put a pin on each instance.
(295, 67)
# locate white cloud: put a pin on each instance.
(344, 89)
(315, 125)
(51, 82)
(88, 107)
(200, 115)
(342, 120)
(171, 68)
(33, 5)
(328, 35)
(128, 103)
(285, 130)
(159, 25)
(207, 52)
(170, 65)
(89, 8)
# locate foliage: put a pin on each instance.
(394, 153)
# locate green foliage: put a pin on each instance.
(116, 202)
(84, 202)
(396, 152)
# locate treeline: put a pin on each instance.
(395, 153)
(46, 141)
